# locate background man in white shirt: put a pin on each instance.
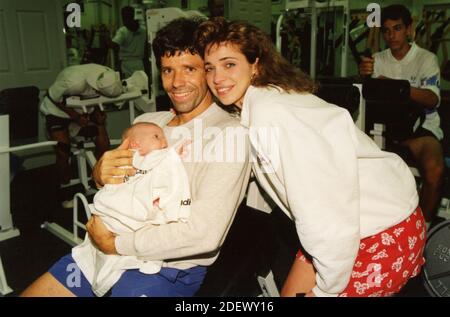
(131, 41)
(63, 122)
(407, 61)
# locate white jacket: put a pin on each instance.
(327, 175)
(129, 207)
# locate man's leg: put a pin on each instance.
(63, 279)
(62, 151)
(102, 139)
(46, 286)
(168, 282)
(427, 151)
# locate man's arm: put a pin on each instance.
(115, 42)
(218, 189)
(111, 44)
(424, 97)
(428, 94)
(114, 165)
(366, 67)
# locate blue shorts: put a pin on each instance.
(168, 282)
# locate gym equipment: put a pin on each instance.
(19, 124)
(390, 114)
(315, 8)
(436, 270)
(4, 288)
(84, 103)
(72, 238)
(82, 151)
(388, 103)
(341, 92)
(7, 229)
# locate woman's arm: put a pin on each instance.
(320, 171)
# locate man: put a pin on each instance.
(131, 41)
(405, 60)
(217, 187)
(63, 122)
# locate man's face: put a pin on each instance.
(183, 78)
(396, 33)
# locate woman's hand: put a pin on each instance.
(104, 239)
(114, 166)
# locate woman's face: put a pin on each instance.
(228, 73)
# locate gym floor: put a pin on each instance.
(35, 199)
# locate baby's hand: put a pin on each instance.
(156, 203)
(182, 149)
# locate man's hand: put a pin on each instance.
(82, 120)
(101, 236)
(114, 165)
(366, 66)
(99, 117)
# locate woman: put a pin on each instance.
(355, 207)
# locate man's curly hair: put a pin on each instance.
(175, 38)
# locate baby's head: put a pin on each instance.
(145, 137)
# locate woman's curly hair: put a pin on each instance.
(272, 68)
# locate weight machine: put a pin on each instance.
(315, 9)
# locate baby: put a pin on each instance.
(158, 194)
(145, 137)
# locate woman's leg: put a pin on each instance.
(384, 264)
(301, 279)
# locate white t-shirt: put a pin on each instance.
(131, 44)
(421, 68)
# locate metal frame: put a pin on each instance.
(71, 238)
(84, 104)
(7, 229)
(316, 7)
(4, 288)
(268, 286)
(85, 156)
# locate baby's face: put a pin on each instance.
(147, 138)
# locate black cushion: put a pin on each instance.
(22, 106)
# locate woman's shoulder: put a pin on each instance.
(264, 92)
(270, 96)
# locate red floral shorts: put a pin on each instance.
(387, 260)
